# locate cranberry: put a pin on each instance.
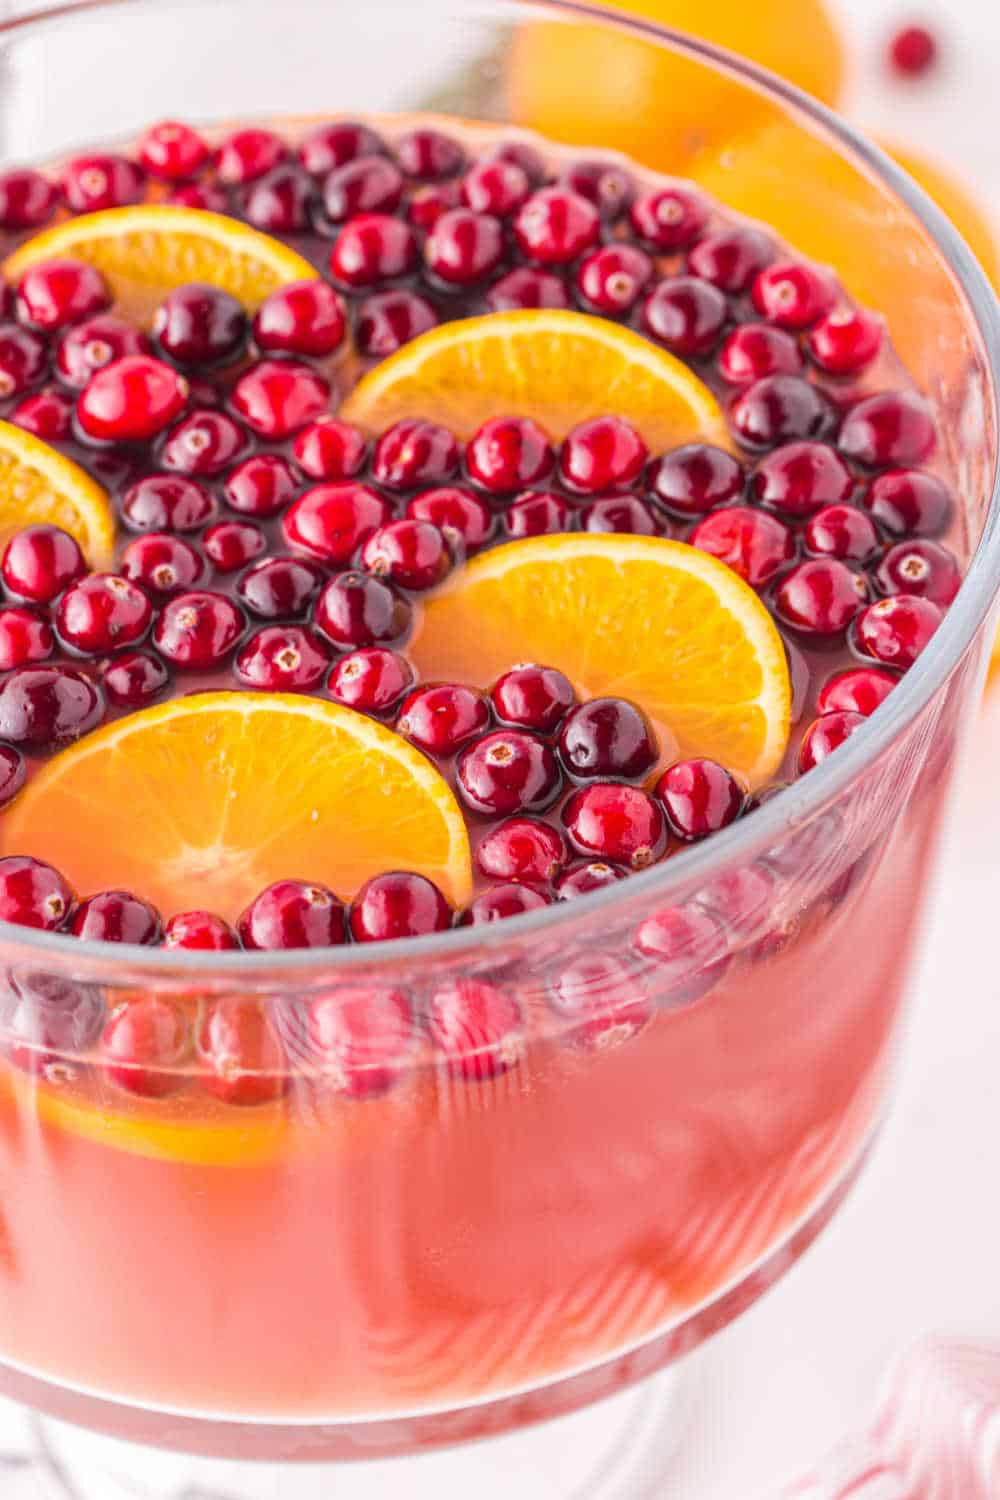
(242, 1058)
(846, 340)
(399, 904)
(198, 630)
(280, 588)
(39, 562)
(48, 415)
(522, 849)
(556, 225)
(91, 345)
(32, 893)
(25, 637)
(912, 51)
(116, 917)
(689, 950)
(495, 187)
(200, 325)
(669, 218)
(731, 258)
(293, 914)
(753, 350)
(412, 554)
(372, 248)
(201, 930)
(427, 153)
(331, 521)
(820, 597)
(509, 453)
(48, 705)
(130, 400)
(699, 797)
(778, 409)
(921, 568)
(530, 160)
(388, 320)
(500, 902)
(755, 545)
(464, 247)
(248, 154)
(276, 398)
(824, 735)
(426, 204)
(793, 294)
(51, 1021)
(56, 293)
(283, 659)
(280, 202)
(145, 1045)
(801, 478)
(372, 681)
(27, 199)
(612, 279)
(306, 318)
(532, 697)
(536, 513)
(134, 679)
(860, 690)
(605, 184)
(261, 486)
(607, 737)
(743, 897)
(23, 360)
(329, 146)
(163, 502)
(413, 453)
(12, 773)
(464, 520)
(232, 544)
(364, 185)
(894, 631)
(508, 771)
(619, 513)
(525, 287)
(620, 823)
(693, 479)
(892, 427)
(908, 502)
(685, 315)
(841, 531)
(602, 998)
(92, 183)
(101, 613)
(200, 195)
(477, 1028)
(172, 150)
(356, 610)
(442, 718)
(584, 876)
(601, 454)
(363, 1038)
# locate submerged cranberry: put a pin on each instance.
(50, 1022)
(48, 705)
(412, 554)
(621, 513)
(607, 737)
(363, 1038)
(693, 479)
(330, 449)
(280, 588)
(39, 562)
(165, 502)
(145, 1046)
(477, 1028)
(846, 340)
(12, 773)
(293, 914)
(602, 998)
(241, 1057)
(615, 822)
(755, 545)
(32, 893)
(584, 876)
(495, 187)
(372, 680)
(399, 904)
(365, 185)
(96, 342)
(116, 917)
(388, 320)
(427, 203)
(198, 630)
(687, 951)
(464, 247)
(230, 545)
(441, 718)
(134, 679)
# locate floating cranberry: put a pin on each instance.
(731, 258)
(921, 568)
(363, 1038)
(364, 185)
(356, 610)
(56, 293)
(328, 146)
(556, 225)
(894, 631)
(25, 637)
(201, 930)
(912, 51)
(91, 345)
(525, 287)
(612, 279)
(602, 998)
(465, 521)
(388, 320)
(508, 771)
(261, 486)
(892, 427)
(414, 453)
(443, 717)
(601, 454)
(530, 160)
(116, 917)
(699, 797)
(172, 150)
(278, 397)
(509, 453)
(800, 478)
(428, 153)
(412, 554)
(293, 914)
(859, 690)
(233, 544)
(27, 199)
(846, 340)
(753, 350)
(619, 513)
(495, 187)
(48, 705)
(584, 876)
(477, 1028)
(163, 502)
(23, 360)
(844, 532)
(101, 613)
(280, 588)
(372, 680)
(39, 562)
(609, 187)
(524, 849)
(536, 513)
(248, 154)
(693, 479)
(331, 521)
(283, 659)
(131, 400)
(33, 894)
(198, 630)
(824, 735)
(200, 195)
(426, 204)
(399, 904)
(280, 202)
(242, 1059)
(93, 183)
(306, 318)
(330, 449)
(501, 902)
(134, 679)
(372, 248)
(12, 773)
(689, 950)
(685, 315)
(200, 325)
(611, 821)
(607, 737)
(533, 697)
(145, 1046)
(755, 545)
(820, 597)
(464, 247)
(908, 502)
(778, 409)
(669, 218)
(793, 294)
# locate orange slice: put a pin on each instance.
(150, 248)
(205, 800)
(558, 367)
(38, 484)
(638, 617)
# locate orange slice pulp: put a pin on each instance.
(38, 484)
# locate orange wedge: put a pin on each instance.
(150, 248)
(38, 484)
(558, 367)
(638, 617)
(205, 800)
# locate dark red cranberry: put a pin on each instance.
(283, 659)
(145, 1046)
(412, 554)
(778, 409)
(12, 773)
(556, 225)
(693, 479)
(603, 999)
(685, 315)
(232, 544)
(163, 502)
(33, 894)
(306, 318)
(753, 350)
(25, 637)
(820, 597)
(356, 610)
(293, 914)
(278, 397)
(533, 697)
(844, 532)
(584, 876)
(443, 717)
(365, 185)
(508, 771)
(131, 400)
(731, 258)
(608, 820)
(200, 325)
(280, 588)
(605, 184)
(794, 294)
(464, 247)
(388, 320)
(477, 1028)
(414, 453)
(500, 902)
(607, 737)
(912, 51)
(201, 930)
(846, 340)
(56, 293)
(372, 681)
(248, 154)
(47, 414)
(50, 1022)
(891, 427)
(134, 679)
(530, 160)
(363, 1038)
(908, 502)
(279, 203)
(921, 568)
(331, 521)
(612, 279)
(755, 545)
(525, 287)
(801, 478)
(399, 904)
(619, 513)
(91, 345)
(524, 849)
(603, 453)
(27, 199)
(426, 204)
(509, 453)
(261, 486)
(860, 690)
(330, 449)
(429, 154)
(172, 150)
(23, 360)
(329, 146)
(372, 248)
(198, 630)
(669, 218)
(242, 1060)
(39, 562)
(536, 513)
(116, 917)
(92, 183)
(689, 949)
(465, 521)
(202, 195)
(101, 613)
(495, 187)
(699, 797)
(824, 735)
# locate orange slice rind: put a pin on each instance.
(38, 484)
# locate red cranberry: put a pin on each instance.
(500, 902)
(603, 183)
(508, 771)
(426, 204)
(731, 258)
(619, 513)
(685, 315)
(441, 718)
(801, 478)
(531, 161)
(39, 562)
(145, 1045)
(48, 415)
(198, 630)
(261, 486)
(32, 893)
(200, 325)
(699, 797)
(477, 1028)
(280, 202)
(824, 735)
(201, 195)
(91, 345)
(603, 998)
(820, 597)
(23, 360)
(248, 154)
(464, 520)
(753, 350)
(51, 1021)
(607, 737)
(536, 513)
(232, 544)
(201, 930)
(601, 454)
(509, 453)
(912, 51)
(556, 225)
(92, 183)
(427, 153)
(293, 914)
(693, 479)
(908, 502)
(242, 1058)
(892, 427)
(283, 659)
(532, 697)
(689, 950)
(743, 897)
(131, 400)
(134, 679)
(331, 521)
(414, 453)
(860, 690)
(841, 531)
(330, 449)
(400, 904)
(372, 248)
(464, 247)
(101, 613)
(584, 876)
(495, 187)
(25, 637)
(778, 409)
(356, 610)
(412, 554)
(163, 502)
(365, 185)
(524, 287)
(921, 568)
(755, 545)
(276, 398)
(612, 279)
(172, 150)
(116, 917)
(306, 317)
(363, 1037)
(27, 199)
(329, 146)
(524, 849)
(388, 320)
(793, 294)
(56, 293)
(12, 773)
(161, 563)
(280, 588)
(669, 218)
(846, 340)
(372, 681)
(610, 821)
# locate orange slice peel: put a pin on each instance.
(39, 485)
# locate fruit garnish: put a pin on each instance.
(225, 792)
(38, 485)
(146, 250)
(654, 621)
(556, 367)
